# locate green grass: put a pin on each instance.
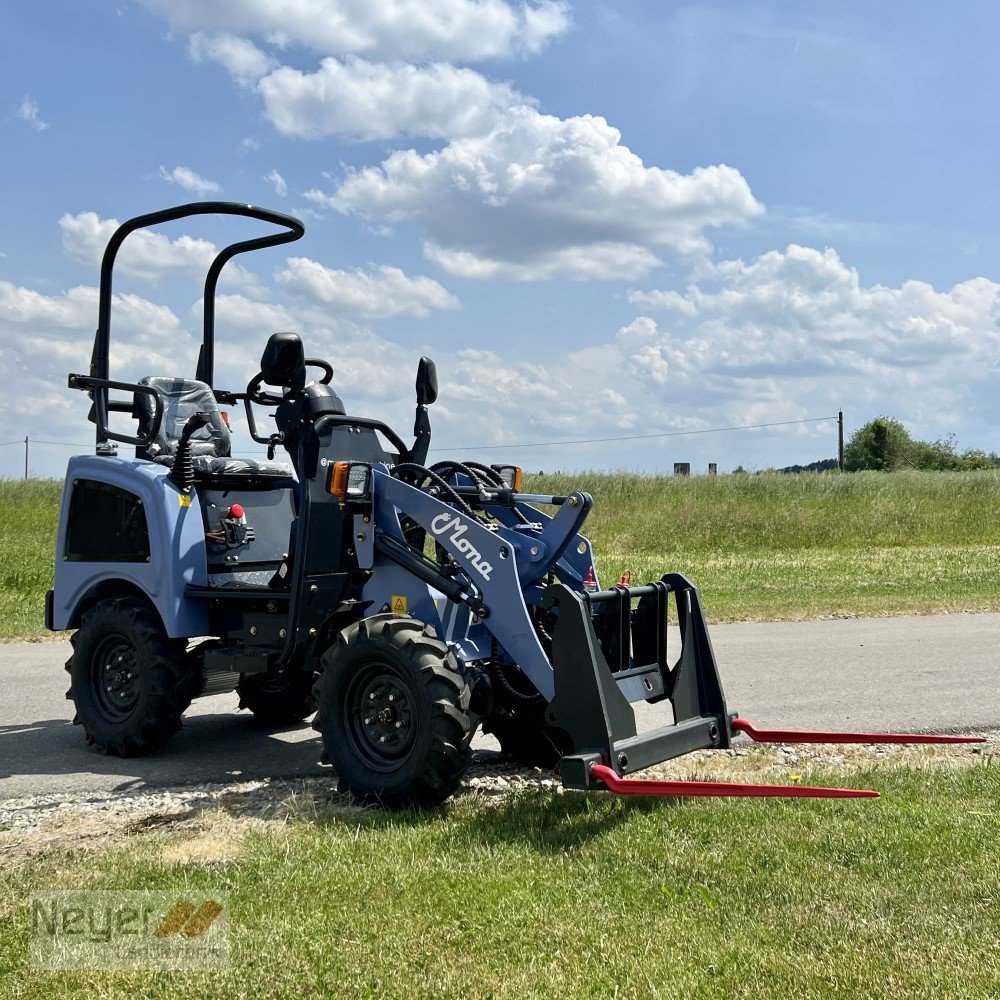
(568, 896)
(773, 546)
(30, 514)
(765, 546)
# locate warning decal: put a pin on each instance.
(399, 605)
(184, 499)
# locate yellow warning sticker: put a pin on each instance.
(399, 605)
(184, 499)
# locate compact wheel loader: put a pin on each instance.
(405, 604)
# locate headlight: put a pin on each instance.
(349, 480)
(511, 476)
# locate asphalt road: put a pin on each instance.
(933, 674)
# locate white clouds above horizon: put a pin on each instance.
(245, 62)
(383, 293)
(541, 197)
(454, 30)
(28, 112)
(147, 255)
(186, 178)
(367, 100)
(280, 185)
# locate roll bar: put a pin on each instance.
(99, 361)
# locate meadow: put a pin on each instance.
(758, 546)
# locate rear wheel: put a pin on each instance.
(130, 682)
(279, 698)
(394, 713)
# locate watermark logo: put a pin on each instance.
(105, 929)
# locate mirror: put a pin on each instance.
(427, 382)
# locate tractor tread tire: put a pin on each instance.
(168, 680)
(442, 752)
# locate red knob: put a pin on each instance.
(236, 511)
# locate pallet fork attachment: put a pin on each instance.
(592, 698)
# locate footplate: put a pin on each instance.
(592, 700)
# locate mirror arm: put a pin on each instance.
(422, 433)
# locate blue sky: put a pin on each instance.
(601, 219)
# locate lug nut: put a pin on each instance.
(399, 725)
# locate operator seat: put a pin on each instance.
(211, 451)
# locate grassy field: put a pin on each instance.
(537, 894)
(758, 547)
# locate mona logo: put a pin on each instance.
(452, 527)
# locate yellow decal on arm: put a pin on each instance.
(399, 604)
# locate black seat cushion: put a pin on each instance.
(211, 447)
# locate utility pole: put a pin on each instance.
(840, 440)
(25, 456)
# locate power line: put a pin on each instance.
(6, 443)
(634, 437)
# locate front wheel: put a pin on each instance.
(394, 713)
(131, 683)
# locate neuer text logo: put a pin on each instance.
(453, 526)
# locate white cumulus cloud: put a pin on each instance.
(539, 197)
(368, 100)
(28, 112)
(186, 178)
(245, 62)
(461, 30)
(280, 185)
(383, 293)
(146, 254)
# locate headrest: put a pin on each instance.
(283, 361)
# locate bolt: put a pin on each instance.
(253, 629)
(270, 605)
(314, 589)
(381, 739)
(366, 519)
(368, 721)
(361, 536)
(399, 725)
(623, 760)
(392, 697)
(282, 633)
(312, 633)
(371, 697)
(574, 501)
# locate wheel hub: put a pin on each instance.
(116, 677)
(383, 723)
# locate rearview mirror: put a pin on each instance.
(427, 382)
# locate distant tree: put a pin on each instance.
(883, 445)
(823, 465)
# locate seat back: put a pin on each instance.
(181, 398)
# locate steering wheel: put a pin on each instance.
(256, 395)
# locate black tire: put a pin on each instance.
(413, 747)
(130, 682)
(528, 740)
(280, 698)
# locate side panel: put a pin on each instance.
(176, 543)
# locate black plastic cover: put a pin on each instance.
(283, 361)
